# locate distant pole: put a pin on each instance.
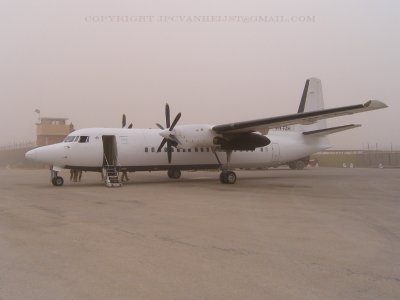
(369, 157)
(38, 112)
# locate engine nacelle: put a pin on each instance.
(191, 136)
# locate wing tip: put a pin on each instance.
(375, 104)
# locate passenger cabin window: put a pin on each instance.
(83, 139)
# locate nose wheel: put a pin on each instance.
(227, 177)
(55, 179)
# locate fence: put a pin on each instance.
(358, 158)
(17, 146)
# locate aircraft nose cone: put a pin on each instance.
(50, 154)
(31, 155)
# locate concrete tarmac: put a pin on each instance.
(275, 234)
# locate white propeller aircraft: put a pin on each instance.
(260, 143)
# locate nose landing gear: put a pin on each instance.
(55, 179)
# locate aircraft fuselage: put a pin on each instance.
(136, 150)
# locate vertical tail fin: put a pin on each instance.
(312, 100)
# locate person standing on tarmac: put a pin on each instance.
(124, 176)
(79, 175)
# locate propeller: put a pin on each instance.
(124, 122)
(168, 139)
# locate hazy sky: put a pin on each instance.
(91, 61)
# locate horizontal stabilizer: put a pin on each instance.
(326, 131)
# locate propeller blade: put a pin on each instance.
(130, 126)
(159, 126)
(167, 116)
(178, 116)
(123, 120)
(171, 141)
(161, 145)
(169, 151)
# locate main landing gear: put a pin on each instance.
(227, 177)
(55, 179)
(299, 164)
(174, 173)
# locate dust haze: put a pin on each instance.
(214, 61)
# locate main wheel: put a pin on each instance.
(300, 165)
(222, 177)
(57, 181)
(174, 173)
(297, 165)
(227, 177)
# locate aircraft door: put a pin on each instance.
(110, 156)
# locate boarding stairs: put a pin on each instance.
(111, 177)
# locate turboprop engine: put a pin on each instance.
(188, 136)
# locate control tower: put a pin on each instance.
(52, 130)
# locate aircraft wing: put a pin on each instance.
(303, 118)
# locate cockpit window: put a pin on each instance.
(69, 139)
(83, 139)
